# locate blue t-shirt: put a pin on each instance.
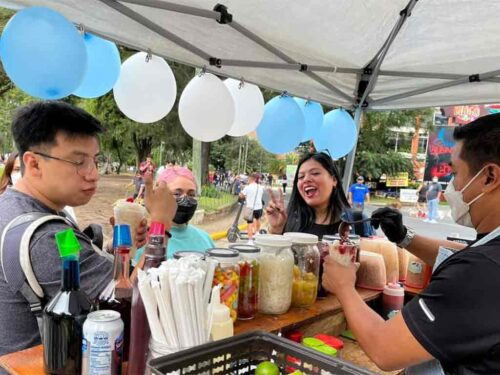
(183, 238)
(359, 192)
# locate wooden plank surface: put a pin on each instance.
(296, 317)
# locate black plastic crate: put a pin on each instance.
(242, 353)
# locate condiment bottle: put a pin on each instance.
(155, 253)
(117, 296)
(393, 299)
(222, 323)
(65, 314)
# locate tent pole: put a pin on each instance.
(468, 79)
(184, 9)
(349, 164)
(139, 18)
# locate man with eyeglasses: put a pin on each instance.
(59, 150)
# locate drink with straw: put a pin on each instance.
(132, 214)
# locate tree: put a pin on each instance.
(374, 155)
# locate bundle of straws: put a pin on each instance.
(176, 299)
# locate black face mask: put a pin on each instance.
(186, 207)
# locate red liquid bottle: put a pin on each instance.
(155, 253)
(117, 295)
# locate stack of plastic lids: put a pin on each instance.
(390, 253)
(403, 256)
(371, 273)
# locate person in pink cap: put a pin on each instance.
(182, 184)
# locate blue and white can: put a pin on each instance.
(102, 346)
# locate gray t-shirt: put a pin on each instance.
(433, 190)
(18, 327)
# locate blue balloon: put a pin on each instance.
(103, 67)
(338, 134)
(43, 53)
(313, 115)
(282, 125)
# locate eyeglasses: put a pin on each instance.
(83, 167)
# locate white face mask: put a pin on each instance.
(459, 209)
(15, 176)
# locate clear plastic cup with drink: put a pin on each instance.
(132, 214)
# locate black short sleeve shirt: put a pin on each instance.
(457, 317)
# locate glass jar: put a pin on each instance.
(248, 295)
(227, 274)
(306, 269)
(276, 273)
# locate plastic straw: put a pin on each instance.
(151, 307)
(170, 328)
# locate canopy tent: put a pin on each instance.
(358, 54)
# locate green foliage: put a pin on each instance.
(210, 191)
(373, 155)
(374, 164)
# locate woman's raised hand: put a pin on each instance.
(275, 211)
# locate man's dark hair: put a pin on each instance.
(37, 124)
(481, 141)
(301, 217)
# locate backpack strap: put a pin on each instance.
(15, 256)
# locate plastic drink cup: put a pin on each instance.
(132, 214)
(344, 253)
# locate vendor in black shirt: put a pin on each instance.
(453, 326)
(316, 202)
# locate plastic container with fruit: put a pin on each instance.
(306, 268)
(248, 295)
(227, 274)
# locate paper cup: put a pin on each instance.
(343, 253)
(131, 214)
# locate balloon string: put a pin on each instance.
(149, 56)
(81, 28)
(242, 83)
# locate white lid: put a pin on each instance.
(394, 289)
(272, 240)
(302, 238)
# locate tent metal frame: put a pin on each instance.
(367, 76)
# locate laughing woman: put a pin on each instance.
(316, 202)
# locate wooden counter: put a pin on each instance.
(30, 361)
(297, 317)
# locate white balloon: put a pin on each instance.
(206, 108)
(145, 91)
(249, 106)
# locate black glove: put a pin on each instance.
(391, 222)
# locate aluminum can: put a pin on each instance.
(102, 346)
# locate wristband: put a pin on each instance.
(157, 229)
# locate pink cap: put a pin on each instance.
(157, 229)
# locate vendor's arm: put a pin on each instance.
(389, 344)
(425, 248)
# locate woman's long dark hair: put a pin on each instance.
(301, 216)
(6, 180)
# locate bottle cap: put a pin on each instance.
(122, 236)
(67, 243)
(157, 229)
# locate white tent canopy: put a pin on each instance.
(384, 54)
